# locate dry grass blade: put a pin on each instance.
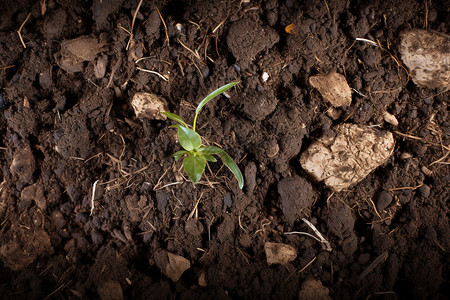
(375, 263)
(320, 238)
(165, 27)
(43, 7)
(20, 30)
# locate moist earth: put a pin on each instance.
(93, 205)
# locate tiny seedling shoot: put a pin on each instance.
(197, 154)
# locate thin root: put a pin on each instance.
(132, 24)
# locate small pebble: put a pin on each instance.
(425, 191)
(58, 219)
(384, 199)
(390, 118)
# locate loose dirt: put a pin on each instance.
(71, 143)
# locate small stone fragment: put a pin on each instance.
(425, 191)
(384, 199)
(278, 253)
(250, 176)
(333, 87)
(390, 118)
(349, 157)
(405, 155)
(100, 66)
(176, 267)
(172, 265)
(110, 290)
(150, 106)
(202, 280)
(313, 290)
(427, 56)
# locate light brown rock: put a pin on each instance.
(333, 87)
(427, 56)
(202, 280)
(390, 118)
(278, 253)
(176, 266)
(349, 157)
(313, 290)
(149, 106)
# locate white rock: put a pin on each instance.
(265, 77)
(348, 157)
(149, 106)
(333, 87)
(278, 253)
(427, 56)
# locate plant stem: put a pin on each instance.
(195, 121)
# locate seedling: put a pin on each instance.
(196, 154)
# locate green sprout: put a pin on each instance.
(197, 155)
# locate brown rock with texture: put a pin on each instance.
(149, 106)
(427, 56)
(333, 87)
(278, 253)
(349, 157)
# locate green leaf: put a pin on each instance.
(209, 98)
(210, 158)
(189, 139)
(176, 118)
(179, 154)
(208, 150)
(194, 167)
(228, 161)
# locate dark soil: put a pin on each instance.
(67, 123)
